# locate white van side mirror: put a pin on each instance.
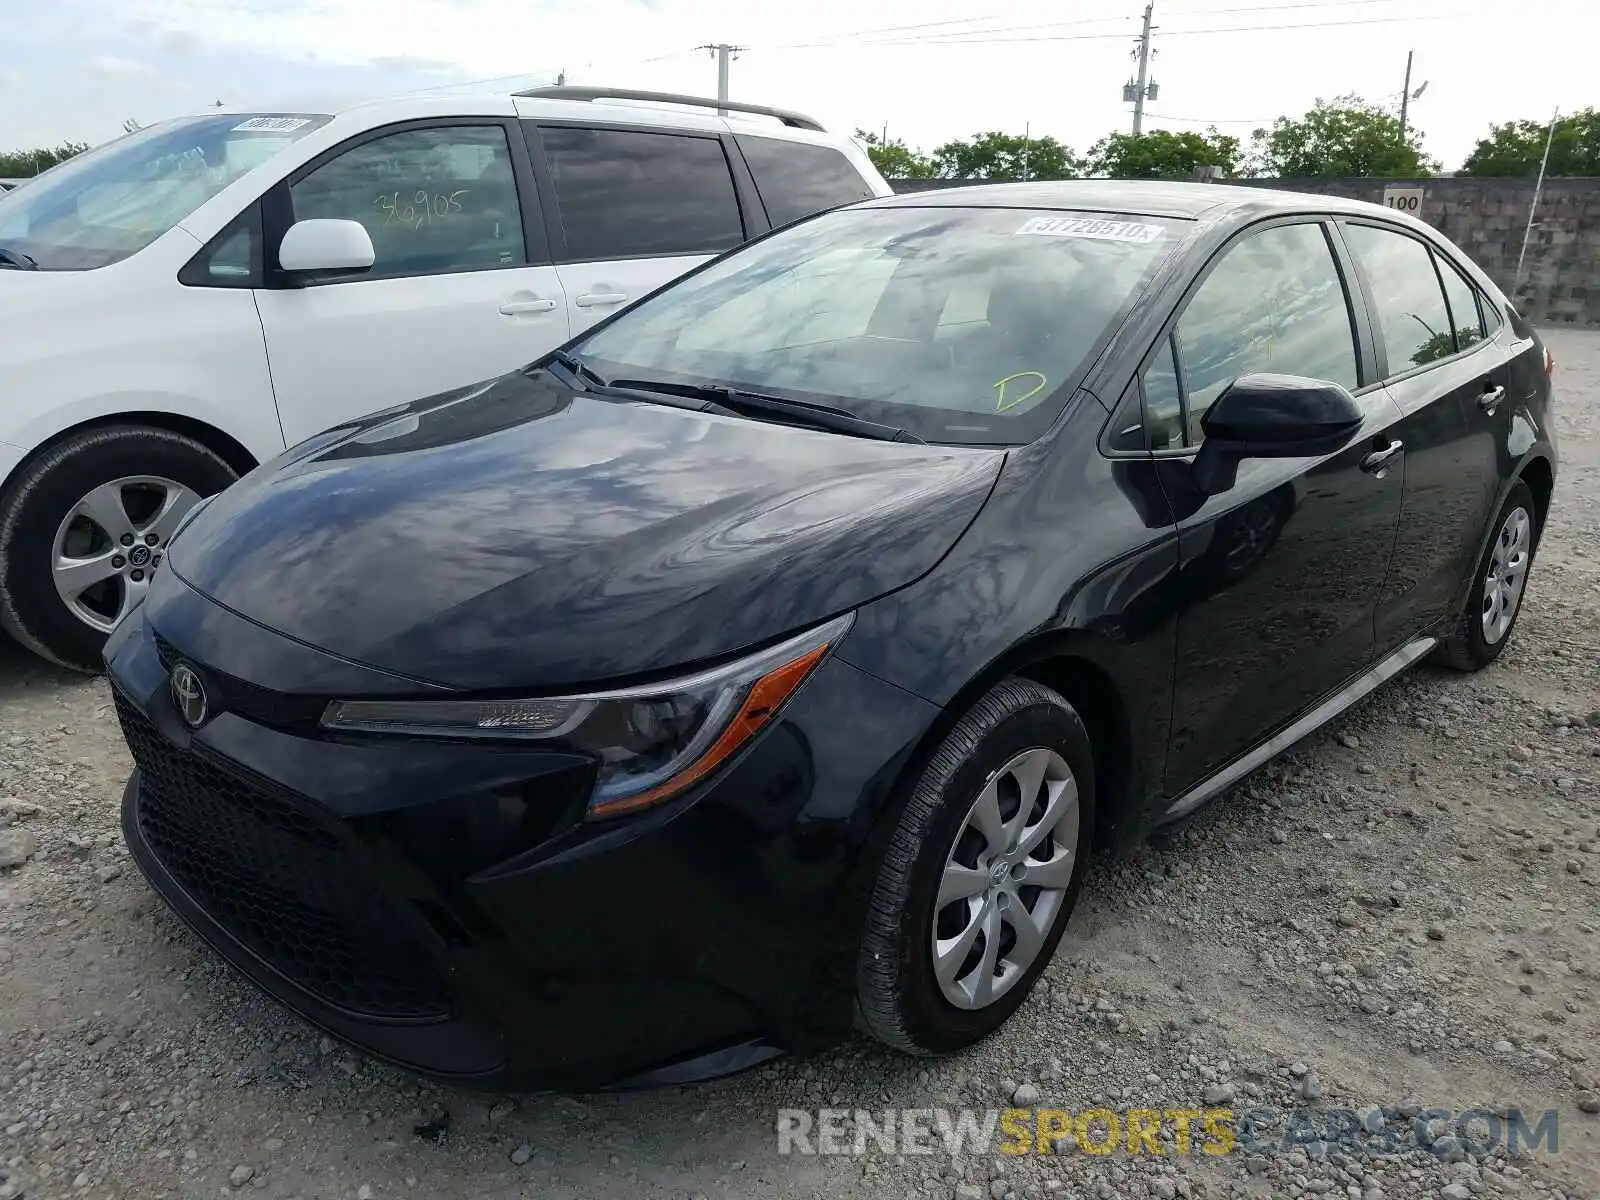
(320, 244)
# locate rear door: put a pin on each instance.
(1279, 574)
(633, 208)
(462, 289)
(1450, 381)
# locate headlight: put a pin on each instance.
(651, 742)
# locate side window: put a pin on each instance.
(1465, 311)
(1274, 303)
(434, 200)
(1150, 416)
(1405, 288)
(1163, 404)
(229, 260)
(623, 194)
(796, 179)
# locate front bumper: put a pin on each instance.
(443, 906)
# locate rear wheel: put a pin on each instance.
(85, 525)
(1498, 586)
(981, 873)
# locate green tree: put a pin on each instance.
(20, 164)
(1517, 147)
(894, 159)
(1005, 156)
(1162, 154)
(1346, 136)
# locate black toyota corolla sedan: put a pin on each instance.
(766, 661)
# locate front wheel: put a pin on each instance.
(1498, 585)
(981, 874)
(85, 525)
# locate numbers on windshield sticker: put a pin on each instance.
(421, 209)
(1008, 396)
(1092, 228)
(271, 125)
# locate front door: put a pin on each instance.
(634, 209)
(461, 290)
(1279, 574)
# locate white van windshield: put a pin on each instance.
(113, 201)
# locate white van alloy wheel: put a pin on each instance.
(110, 543)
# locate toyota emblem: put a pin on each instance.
(189, 695)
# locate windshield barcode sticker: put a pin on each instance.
(1090, 227)
(271, 125)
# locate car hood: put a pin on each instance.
(519, 534)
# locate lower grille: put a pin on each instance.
(280, 882)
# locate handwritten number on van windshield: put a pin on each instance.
(424, 208)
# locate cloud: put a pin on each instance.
(181, 42)
(112, 66)
(399, 63)
(9, 80)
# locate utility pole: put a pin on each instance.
(1405, 97)
(723, 53)
(1137, 93)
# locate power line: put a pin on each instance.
(834, 39)
(1093, 37)
(842, 38)
(1212, 12)
(1212, 121)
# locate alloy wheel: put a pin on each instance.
(1508, 572)
(111, 541)
(1005, 878)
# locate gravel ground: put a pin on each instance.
(1398, 914)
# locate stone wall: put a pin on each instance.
(1487, 218)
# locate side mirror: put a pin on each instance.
(1272, 416)
(320, 245)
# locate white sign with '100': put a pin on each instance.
(1406, 200)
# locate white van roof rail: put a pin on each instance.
(792, 119)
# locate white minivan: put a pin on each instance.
(185, 302)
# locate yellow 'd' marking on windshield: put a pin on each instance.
(1002, 402)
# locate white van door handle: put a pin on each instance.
(515, 308)
(596, 299)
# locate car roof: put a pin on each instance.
(1142, 197)
(609, 106)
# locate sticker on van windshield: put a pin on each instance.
(271, 125)
(1090, 227)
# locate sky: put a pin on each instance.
(925, 71)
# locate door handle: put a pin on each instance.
(596, 299)
(515, 308)
(1491, 397)
(1376, 462)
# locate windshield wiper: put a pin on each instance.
(739, 402)
(16, 260)
(576, 366)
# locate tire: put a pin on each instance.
(899, 999)
(43, 512)
(1473, 645)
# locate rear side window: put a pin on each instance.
(623, 194)
(796, 179)
(1465, 309)
(1274, 302)
(1412, 316)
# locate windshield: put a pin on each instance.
(958, 324)
(113, 201)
